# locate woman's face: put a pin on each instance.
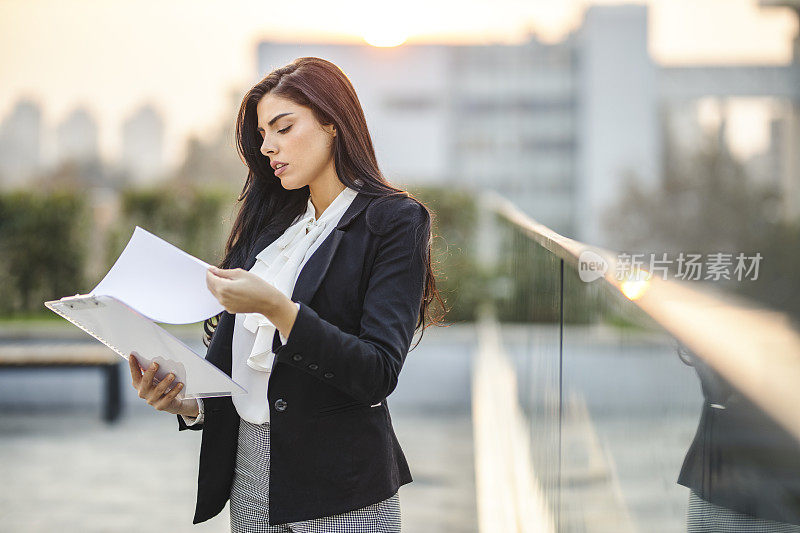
(291, 134)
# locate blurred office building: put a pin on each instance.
(555, 127)
(20, 143)
(77, 137)
(143, 145)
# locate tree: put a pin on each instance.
(706, 203)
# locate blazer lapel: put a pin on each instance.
(308, 280)
(314, 270)
(356, 206)
(310, 277)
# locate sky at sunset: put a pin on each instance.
(186, 55)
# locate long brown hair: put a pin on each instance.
(266, 206)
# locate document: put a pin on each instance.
(152, 281)
(161, 281)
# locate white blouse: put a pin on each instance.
(279, 264)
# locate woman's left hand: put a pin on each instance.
(241, 291)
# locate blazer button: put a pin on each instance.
(280, 404)
(313, 366)
(328, 374)
(297, 357)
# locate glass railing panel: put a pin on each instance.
(630, 408)
(651, 405)
(530, 318)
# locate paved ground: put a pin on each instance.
(63, 470)
(73, 473)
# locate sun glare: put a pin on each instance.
(384, 37)
(634, 289)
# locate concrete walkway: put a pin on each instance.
(63, 469)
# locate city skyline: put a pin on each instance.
(225, 39)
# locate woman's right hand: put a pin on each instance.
(156, 394)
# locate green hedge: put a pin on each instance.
(43, 249)
(460, 281)
(196, 220)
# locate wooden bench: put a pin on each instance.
(54, 354)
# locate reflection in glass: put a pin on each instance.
(627, 429)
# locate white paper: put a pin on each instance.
(160, 281)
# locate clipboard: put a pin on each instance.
(124, 330)
(152, 281)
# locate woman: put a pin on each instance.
(326, 276)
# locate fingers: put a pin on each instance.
(165, 401)
(136, 372)
(219, 288)
(224, 272)
(146, 383)
(155, 395)
(161, 388)
(211, 282)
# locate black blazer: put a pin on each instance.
(330, 451)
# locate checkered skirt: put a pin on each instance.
(705, 517)
(249, 501)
